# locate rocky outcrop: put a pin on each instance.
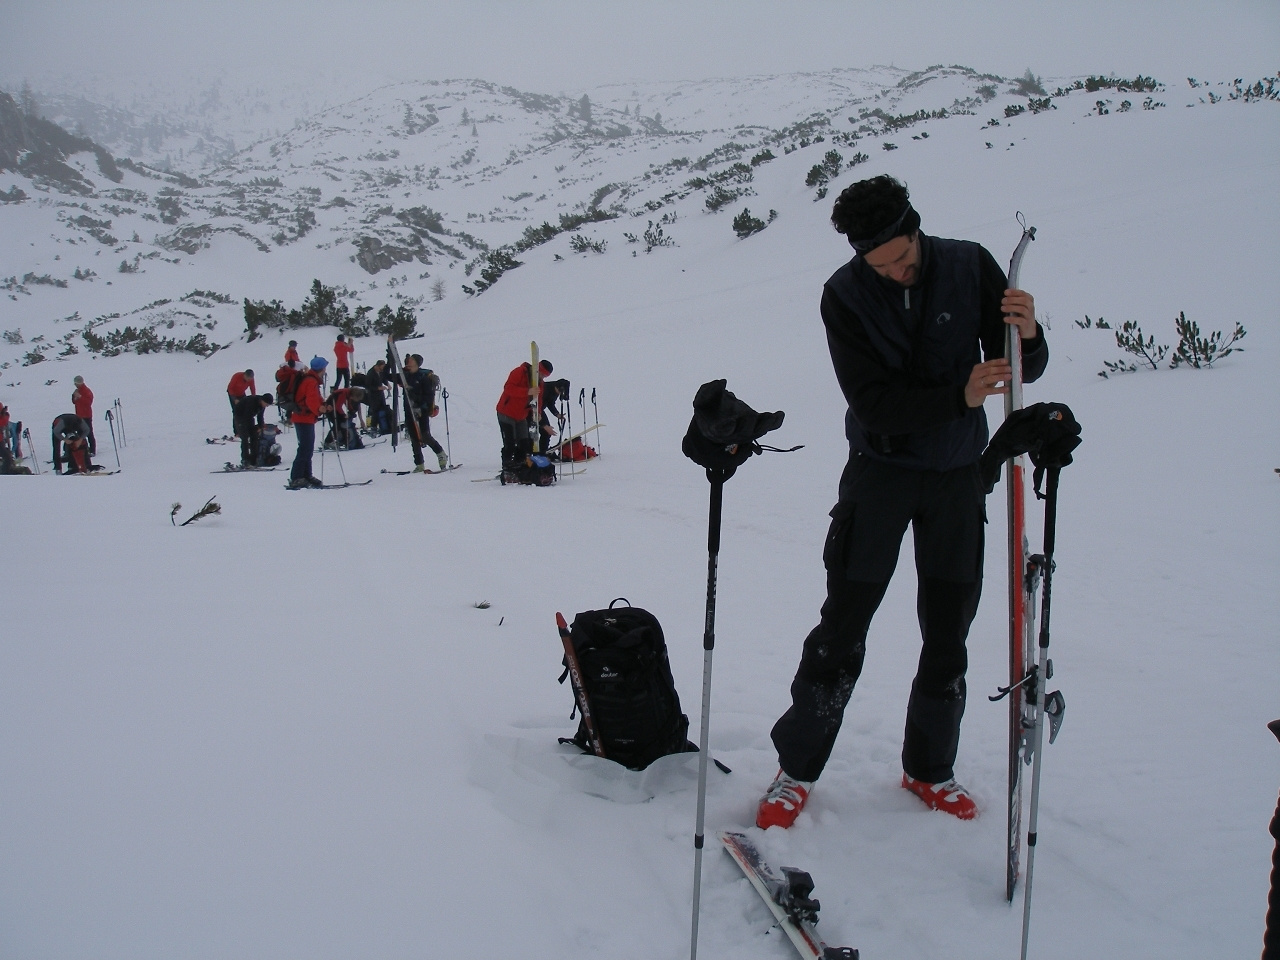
(38, 149)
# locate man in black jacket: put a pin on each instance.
(247, 415)
(906, 320)
(421, 397)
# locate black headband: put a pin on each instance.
(908, 222)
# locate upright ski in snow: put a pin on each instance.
(404, 385)
(535, 398)
(786, 892)
(1021, 595)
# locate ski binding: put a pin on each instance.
(787, 894)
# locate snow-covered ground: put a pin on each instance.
(288, 731)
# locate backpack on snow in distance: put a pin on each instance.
(622, 657)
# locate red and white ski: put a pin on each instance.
(1022, 599)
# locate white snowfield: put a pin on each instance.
(289, 731)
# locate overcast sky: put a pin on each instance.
(567, 45)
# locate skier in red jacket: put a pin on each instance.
(310, 407)
(517, 408)
(82, 400)
(238, 387)
(291, 355)
(343, 351)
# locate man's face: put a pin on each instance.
(898, 260)
(410, 365)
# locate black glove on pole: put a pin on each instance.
(722, 436)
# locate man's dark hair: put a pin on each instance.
(869, 206)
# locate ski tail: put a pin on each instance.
(579, 688)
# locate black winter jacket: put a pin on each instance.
(903, 355)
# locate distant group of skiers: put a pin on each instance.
(302, 401)
(71, 436)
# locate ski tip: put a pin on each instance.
(562, 624)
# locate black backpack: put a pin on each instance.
(622, 657)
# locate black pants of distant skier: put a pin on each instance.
(342, 376)
(247, 431)
(379, 413)
(424, 425)
(946, 511)
(306, 434)
(516, 443)
(234, 426)
(93, 441)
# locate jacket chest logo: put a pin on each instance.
(943, 319)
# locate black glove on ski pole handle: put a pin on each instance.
(722, 435)
(579, 688)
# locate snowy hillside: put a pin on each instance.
(289, 731)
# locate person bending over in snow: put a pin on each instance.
(71, 444)
(518, 410)
(908, 321)
(239, 386)
(248, 418)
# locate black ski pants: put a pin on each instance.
(516, 442)
(306, 435)
(424, 426)
(946, 511)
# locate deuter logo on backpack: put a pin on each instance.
(627, 687)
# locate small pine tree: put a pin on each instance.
(744, 224)
(27, 100)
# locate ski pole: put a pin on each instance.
(568, 415)
(1051, 705)
(599, 445)
(717, 478)
(31, 449)
(333, 420)
(119, 409)
(111, 422)
(448, 443)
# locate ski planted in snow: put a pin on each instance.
(1022, 597)
(535, 398)
(786, 891)
(404, 385)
